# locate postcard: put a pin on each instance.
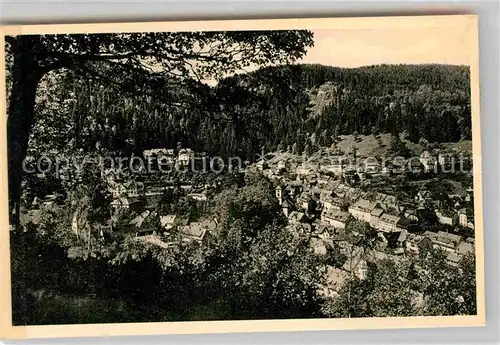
(241, 176)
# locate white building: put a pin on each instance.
(335, 218)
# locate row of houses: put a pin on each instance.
(168, 156)
(455, 247)
(338, 165)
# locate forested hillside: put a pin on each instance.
(286, 107)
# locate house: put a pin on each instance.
(130, 188)
(131, 203)
(303, 201)
(372, 165)
(318, 246)
(353, 193)
(443, 240)
(262, 165)
(469, 196)
(334, 203)
(464, 248)
(198, 196)
(169, 221)
(411, 214)
(281, 166)
(341, 190)
(462, 217)
(332, 185)
(453, 259)
(166, 156)
(391, 200)
(426, 216)
(336, 167)
(380, 197)
(111, 175)
(362, 209)
(143, 224)
(323, 180)
(49, 200)
(375, 217)
(195, 232)
(470, 224)
(184, 157)
(381, 242)
(335, 218)
(297, 217)
(416, 243)
(118, 190)
(306, 169)
(294, 188)
(428, 161)
(423, 195)
(446, 217)
(390, 223)
(287, 207)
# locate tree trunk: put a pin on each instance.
(26, 74)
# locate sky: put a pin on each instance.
(445, 43)
(355, 42)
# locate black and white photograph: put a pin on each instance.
(322, 172)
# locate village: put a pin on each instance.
(322, 199)
(319, 202)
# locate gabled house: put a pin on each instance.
(332, 185)
(168, 222)
(144, 224)
(287, 206)
(278, 191)
(380, 197)
(262, 165)
(423, 195)
(297, 217)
